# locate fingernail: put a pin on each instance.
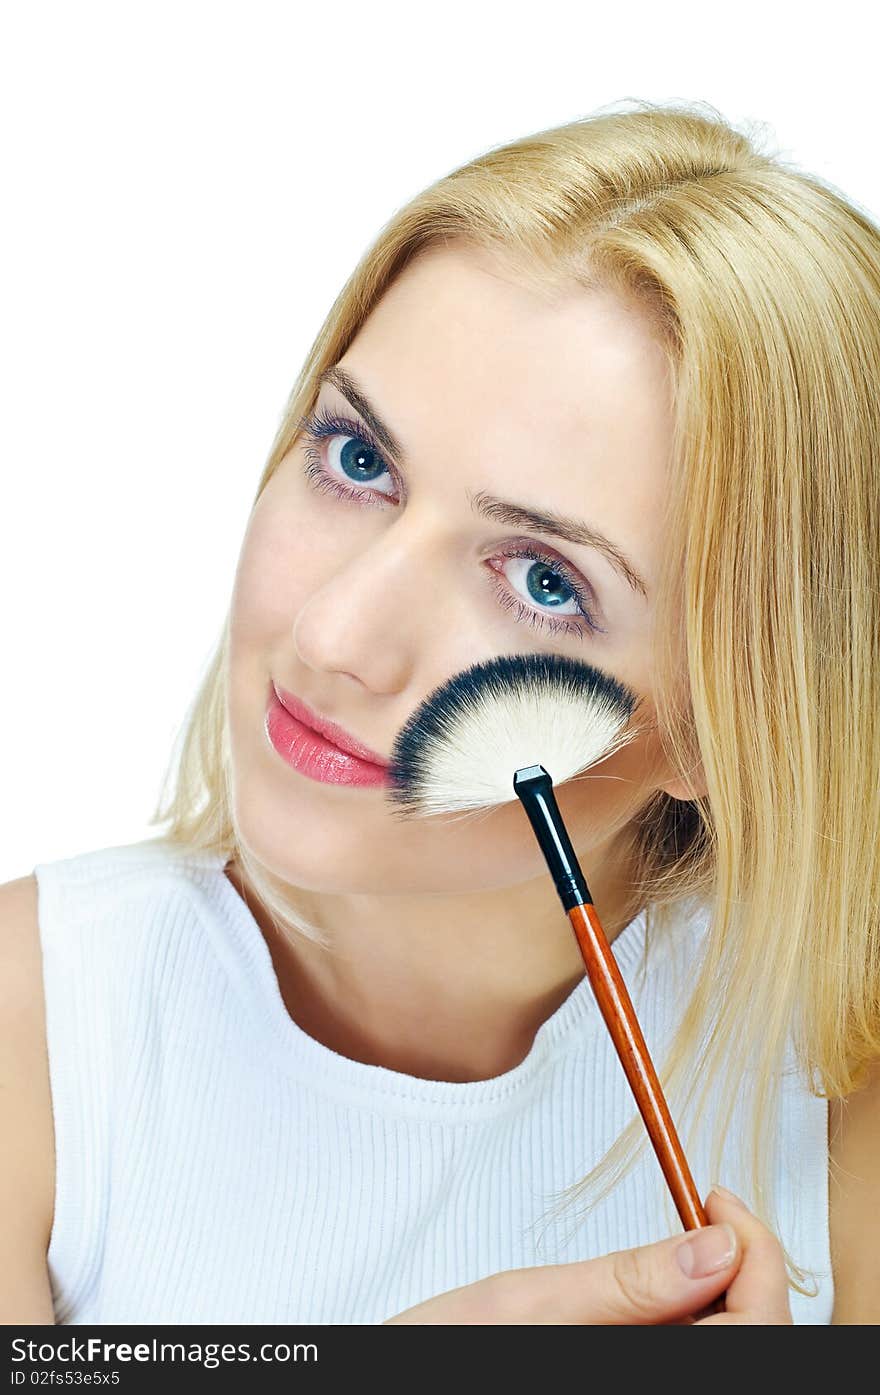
(707, 1250)
(728, 1196)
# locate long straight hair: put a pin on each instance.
(763, 283)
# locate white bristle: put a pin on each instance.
(469, 747)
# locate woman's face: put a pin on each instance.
(362, 606)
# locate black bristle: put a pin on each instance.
(437, 715)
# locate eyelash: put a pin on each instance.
(322, 425)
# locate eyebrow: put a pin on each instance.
(570, 530)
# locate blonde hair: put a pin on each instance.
(764, 284)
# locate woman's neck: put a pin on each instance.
(439, 987)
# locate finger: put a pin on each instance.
(758, 1292)
(655, 1283)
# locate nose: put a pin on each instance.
(368, 618)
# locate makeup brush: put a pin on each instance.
(493, 733)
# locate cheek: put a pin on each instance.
(597, 804)
(278, 556)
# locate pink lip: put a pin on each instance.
(313, 753)
(335, 734)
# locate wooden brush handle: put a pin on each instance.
(617, 1009)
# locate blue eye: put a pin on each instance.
(361, 462)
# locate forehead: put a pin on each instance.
(480, 331)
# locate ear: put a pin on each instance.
(689, 788)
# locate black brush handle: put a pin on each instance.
(534, 788)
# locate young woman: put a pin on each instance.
(609, 391)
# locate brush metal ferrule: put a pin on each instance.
(534, 787)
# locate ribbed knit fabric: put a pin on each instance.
(215, 1164)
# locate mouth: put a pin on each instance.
(331, 731)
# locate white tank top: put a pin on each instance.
(215, 1164)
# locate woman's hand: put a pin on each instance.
(650, 1284)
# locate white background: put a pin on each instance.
(186, 187)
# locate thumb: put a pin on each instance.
(662, 1282)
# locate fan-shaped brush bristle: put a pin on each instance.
(462, 746)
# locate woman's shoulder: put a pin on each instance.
(46, 920)
(94, 868)
(27, 1171)
(123, 884)
(854, 1202)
